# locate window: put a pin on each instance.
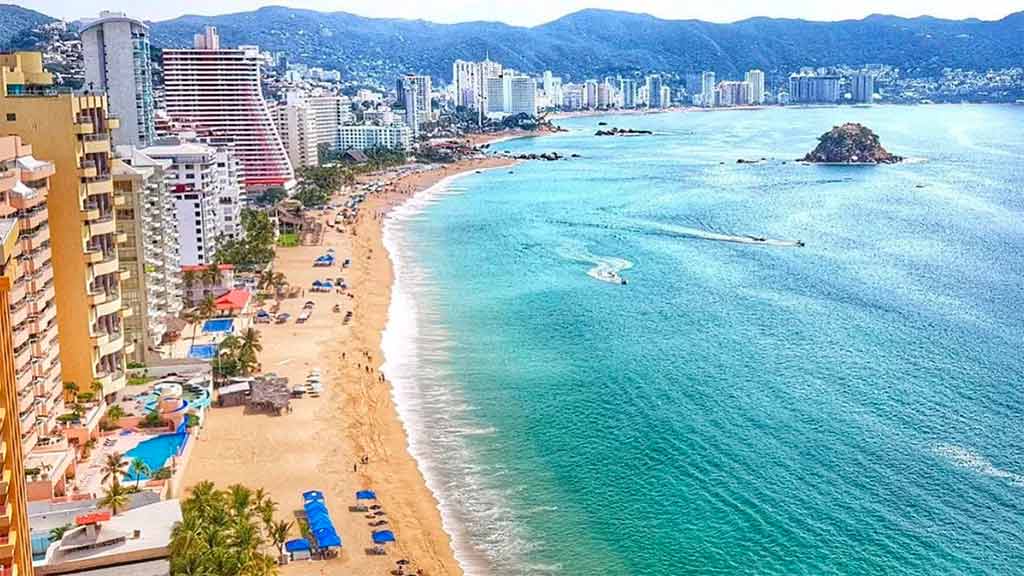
(11, 116)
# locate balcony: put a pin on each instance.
(8, 178)
(84, 127)
(107, 266)
(36, 170)
(19, 312)
(21, 335)
(87, 169)
(87, 214)
(23, 360)
(46, 294)
(129, 347)
(5, 515)
(96, 143)
(39, 258)
(101, 227)
(31, 237)
(98, 185)
(26, 399)
(94, 256)
(18, 290)
(111, 306)
(127, 312)
(114, 344)
(120, 200)
(7, 544)
(41, 279)
(33, 217)
(113, 122)
(27, 197)
(124, 274)
(5, 482)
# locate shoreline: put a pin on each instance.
(322, 442)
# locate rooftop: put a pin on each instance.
(140, 534)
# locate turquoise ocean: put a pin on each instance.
(851, 406)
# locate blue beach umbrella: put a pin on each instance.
(366, 495)
(383, 537)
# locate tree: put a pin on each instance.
(116, 498)
(97, 388)
(189, 278)
(70, 391)
(212, 276)
(249, 349)
(220, 535)
(278, 535)
(255, 249)
(115, 413)
(207, 308)
(139, 469)
(114, 468)
(57, 533)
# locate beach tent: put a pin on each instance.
(383, 536)
(319, 520)
(297, 545)
(366, 495)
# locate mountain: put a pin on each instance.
(595, 43)
(601, 42)
(16, 21)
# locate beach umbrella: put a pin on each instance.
(312, 495)
(366, 495)
(383, 536)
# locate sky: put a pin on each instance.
(533, 12)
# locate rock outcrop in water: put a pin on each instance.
(850, 144)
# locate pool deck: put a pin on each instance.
(90, 475)
(179, 348)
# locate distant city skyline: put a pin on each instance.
(535, 12)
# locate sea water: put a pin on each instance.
(743, 404)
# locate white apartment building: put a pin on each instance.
(731, 93)
(756, 80)
(115, 53)
(707, 89)
(203, 183)
(219, 88)
(363, 137)
(153, 288)
(330, 113)
(295, 125)
(470, 82)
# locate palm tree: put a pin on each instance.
(70, 391)
(241, 500)
(208, 307)
(265, 279)
(189, 277)
(279, 282)
(115, 413)
(58, 532)
(139, 469)
(114, 468)
(278, 533)
(250, 342)
(97, 389)
(115, 498)
(212, 275)
(192, 317)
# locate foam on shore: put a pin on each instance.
(437, 419)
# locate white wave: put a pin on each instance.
(964, 458)
(474, 511)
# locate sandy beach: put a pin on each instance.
(320, 444)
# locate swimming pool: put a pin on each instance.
(218, 325)
(155, 452)
(202, 351)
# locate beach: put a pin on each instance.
(322, 442)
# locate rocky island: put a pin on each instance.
(622, 132)
(850, 143)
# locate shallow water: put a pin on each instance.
(853, 406)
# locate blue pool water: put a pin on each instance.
(853, 406)
(218, 325)
(202, 351)
(155, 452)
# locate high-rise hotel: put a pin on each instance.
(31, 393)
(73, 131)
(115, 51)
(219, 88)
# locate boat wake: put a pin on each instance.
(964, 458)
(605, 268)
(676, 231)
